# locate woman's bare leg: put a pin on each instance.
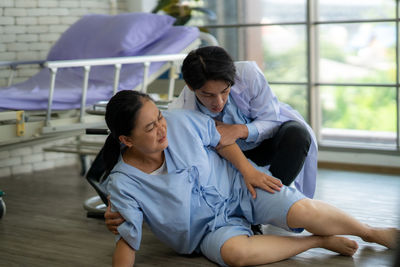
(323, 219)
(264, 249)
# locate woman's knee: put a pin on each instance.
(234, 251)
(301, 212)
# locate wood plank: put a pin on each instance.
(359, 167)
(45, 224)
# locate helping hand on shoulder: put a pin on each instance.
(112, 219)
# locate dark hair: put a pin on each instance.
(121, 114)
(208, 63)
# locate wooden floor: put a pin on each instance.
(45, 224)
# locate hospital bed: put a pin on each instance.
(92, 60)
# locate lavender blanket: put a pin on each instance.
(152, 35)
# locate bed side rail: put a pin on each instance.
(13, 66)
(208, 38)
(173, 59)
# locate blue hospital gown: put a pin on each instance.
(201, 192)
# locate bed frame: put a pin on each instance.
(22, 126)
(19, 127)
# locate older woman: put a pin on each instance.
(168, 174)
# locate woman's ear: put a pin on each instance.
(125, 140)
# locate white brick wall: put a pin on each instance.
(28, 159)
(7, 3)
(28, 29)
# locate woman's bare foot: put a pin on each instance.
(339, 244)
(384, 236)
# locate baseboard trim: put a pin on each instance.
(358, 167)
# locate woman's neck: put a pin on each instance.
(144, 162)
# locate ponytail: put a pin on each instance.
(111, 151)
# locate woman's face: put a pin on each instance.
(214, 95)
(150, 134)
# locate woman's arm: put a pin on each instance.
(127, 207)
(112, 219)
(124, 255)
(252, 176)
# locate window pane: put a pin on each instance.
(357, 53)
(356, 9)
(285, 53)
(359, 114)
(226, 12)
(284, 11)
(294, 95)
(228, 38)
(217, 12)
(244, 11)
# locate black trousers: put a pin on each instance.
(285, 152)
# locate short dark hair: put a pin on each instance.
(208, 63)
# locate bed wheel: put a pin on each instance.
(95, 207)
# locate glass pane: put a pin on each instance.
(244, 11)
(212, 12)
(357, 53)
(294, 95)
(275, 11)
(285, 53)
(356, 9)
(228, 38)
(359, 114)
(280, 50)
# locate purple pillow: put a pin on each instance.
(99, 36)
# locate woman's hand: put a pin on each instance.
(252, 176)
(112, 219)
(256, 178)
(231, 132)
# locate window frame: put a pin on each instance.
(313, 85)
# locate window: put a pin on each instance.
(335, 61)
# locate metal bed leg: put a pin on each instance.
(2, 205)
(85, 164)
